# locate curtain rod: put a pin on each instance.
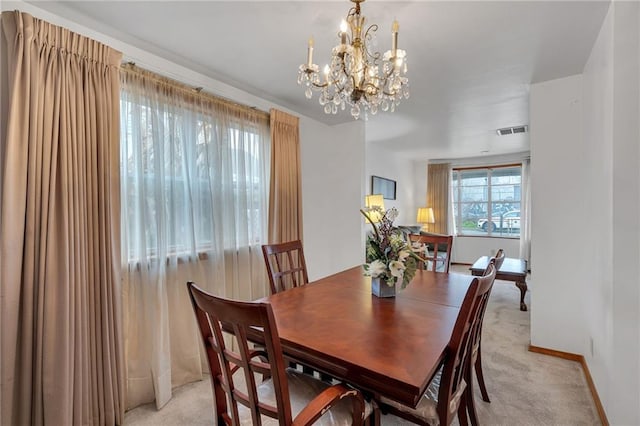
(191, 90)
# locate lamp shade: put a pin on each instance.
(374, 200)
(425, 215)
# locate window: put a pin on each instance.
(194, 176)
(486, 201)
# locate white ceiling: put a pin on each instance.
(470, 63)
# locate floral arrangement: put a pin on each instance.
(388, 256)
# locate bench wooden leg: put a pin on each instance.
(522, 285)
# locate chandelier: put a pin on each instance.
(357, 77)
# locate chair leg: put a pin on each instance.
(480, 376)
(471, 407)
(375, 416)
(462, 412)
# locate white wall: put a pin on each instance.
(387, 164)
(624, 402)
(332, 157)
(333, 193)
(469, 249)
(586, 283)
(419, 182)
(597, 88)
(560, 225)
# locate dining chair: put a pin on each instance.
(287, 269)
(449, 390)
(437, 250)
(497, 261)
(286, 265)
(287, 395)
(476, 350)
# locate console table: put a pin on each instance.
(511, 270)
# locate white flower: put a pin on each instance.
(397, 269)
(392, 214)
(403, 255)
(376, 268)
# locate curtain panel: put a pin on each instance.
(285, 194)
(62, 358)
(438, 190)
(195, 176)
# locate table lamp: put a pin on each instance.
(372, 201)
(425, 216)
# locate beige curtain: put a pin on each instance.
(285, 194)
(438, 189)
(62, 359)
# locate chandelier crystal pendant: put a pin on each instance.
(357, 77)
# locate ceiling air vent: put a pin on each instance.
(511, 130)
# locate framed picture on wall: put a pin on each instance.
(386, 187)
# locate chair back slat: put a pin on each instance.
(439, 247)
(459, 350)
(239, 318)
(286, 265)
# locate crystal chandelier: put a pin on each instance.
(357, 77)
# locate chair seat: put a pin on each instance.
(426, 408)
(302, 389)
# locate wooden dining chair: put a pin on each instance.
(436, 250)
(476, 346)
(496, 261)
(448, 392)
(287, 269)
(286, 265)
(285, 394)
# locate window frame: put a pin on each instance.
(456, 205)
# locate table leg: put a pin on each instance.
(522, 285)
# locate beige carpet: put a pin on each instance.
(525, 388)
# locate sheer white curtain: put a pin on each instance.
(525, 212)
(194, 173)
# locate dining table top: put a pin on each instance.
(386, 346)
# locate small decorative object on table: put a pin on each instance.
(389, 257)
(380, 288)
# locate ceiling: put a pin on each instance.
(470, 63)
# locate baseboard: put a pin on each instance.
(557, 354)
(587, 374)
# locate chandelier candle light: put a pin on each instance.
(357, 77)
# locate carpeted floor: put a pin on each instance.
(525, 388)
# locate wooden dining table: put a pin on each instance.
(384, 346)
